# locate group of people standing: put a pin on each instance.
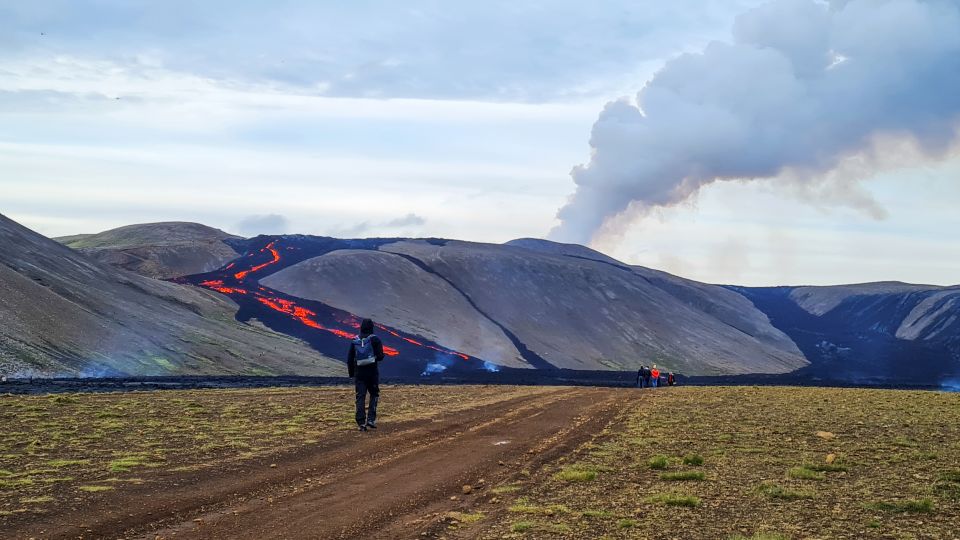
(649, 377)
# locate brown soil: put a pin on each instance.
(400, 481)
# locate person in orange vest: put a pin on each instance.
(655, 376)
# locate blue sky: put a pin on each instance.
(422, 118)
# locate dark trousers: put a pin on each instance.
(367, 383)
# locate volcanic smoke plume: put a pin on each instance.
(804, 90)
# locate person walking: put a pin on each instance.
(366, 352)
(671, 379)
(646, 376)
(640, 377)
(655, 376)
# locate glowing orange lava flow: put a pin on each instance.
(305, 316)
(276, 258)
(415, 342)
(218, 285)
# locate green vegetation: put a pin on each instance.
(917, 506)
(674, 499)
(509, 488)
(596, 514)
(464, 517)
(578, 473)
(522, 526)
(682, 476)
(759, 536)
(627, 523)
(693, 459)
(804, 473)
(658, 462)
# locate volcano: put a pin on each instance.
(457, 307)
(324, 327)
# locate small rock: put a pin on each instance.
(270, 500)
(831, 458)
(467, 488)
(454, 498)
(481, 482)
(501, 463)
(273, 465)
(825, 435)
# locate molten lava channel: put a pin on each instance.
(243, 283)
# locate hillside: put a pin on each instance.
(543, 305)
(159, 250)
(893, 332)
(62, 313)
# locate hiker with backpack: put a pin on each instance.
(366, 351)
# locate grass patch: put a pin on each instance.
(951, 476)
(15, 483)
(523, 507)
(95, 489)
(693, 459)
(596, 514)
(658, 462)
(912, 506)
(522, 526)
(464, 517)
(509, 488)
(776, 491)
(682, 476)
(125, 463)
(576, 474)
(37, 500)
(627, 523)
(675, 499)
(805, 473)
(61, 399)
(759, 536)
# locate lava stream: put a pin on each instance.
(238, 284)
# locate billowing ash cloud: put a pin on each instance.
(803, 87)
(263, 224)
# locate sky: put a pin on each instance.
(482, 120)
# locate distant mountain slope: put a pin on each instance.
(159, 250)
(874, 331)
(568, 308)
(394, 291)
(64, 313)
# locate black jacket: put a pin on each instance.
(365, 371)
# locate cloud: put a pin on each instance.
(263, 224)
(408, 220)
(803, 89)
(378, 49)
(398, 225)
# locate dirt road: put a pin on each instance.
(396, 482)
